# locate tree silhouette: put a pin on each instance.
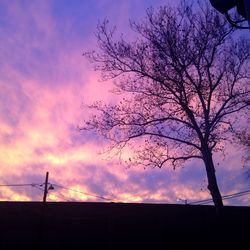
(185, 79)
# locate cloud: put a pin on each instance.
(45, 85)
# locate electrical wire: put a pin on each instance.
(56, 196)
(38, 187)
(18, 185)
(56, 185)
(224, 197)
(49, 194)
(238, 194)
(199, 202)
(77, 191)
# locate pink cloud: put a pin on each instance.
(45, 86)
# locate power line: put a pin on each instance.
(49, 194)
(77, 191)
(18, 185)
(199, 202)
(38, 187)
(59, 186)
(58, 195)
(224, 197)
(237, 194)
(61, 196)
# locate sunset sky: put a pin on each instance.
(45, 86)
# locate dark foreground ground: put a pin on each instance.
(26, 225)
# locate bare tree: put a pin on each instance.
(186, 85)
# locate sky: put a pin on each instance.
(45, 87)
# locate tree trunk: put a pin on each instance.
(212, 182)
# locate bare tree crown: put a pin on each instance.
(187, 76)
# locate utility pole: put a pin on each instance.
(40, 236)
(46, 187)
